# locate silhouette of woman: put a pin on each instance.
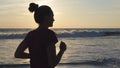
(41, 41)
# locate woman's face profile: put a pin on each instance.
(49, 20)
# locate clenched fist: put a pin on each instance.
(63, 46)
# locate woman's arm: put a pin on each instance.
(54, 59)
(19, 53)
(61, 52)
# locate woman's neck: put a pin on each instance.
(42, 27)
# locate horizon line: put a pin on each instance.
(60, 28)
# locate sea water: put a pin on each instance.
(86, 48)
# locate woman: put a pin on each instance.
(41, 41)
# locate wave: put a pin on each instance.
(99, 62)
(88, 34)
(12, 36)
(104, 61)
(64, 34)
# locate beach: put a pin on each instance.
(59, 66)
(87, 48)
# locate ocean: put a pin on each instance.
(86, 47)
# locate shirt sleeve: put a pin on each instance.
(52, 38)
(27, 38)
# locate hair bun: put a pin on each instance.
(33, 7)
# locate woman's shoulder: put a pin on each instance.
(51, 31)
(42, 31)
(31, 32)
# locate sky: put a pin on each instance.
(67, 13)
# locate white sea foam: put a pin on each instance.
(20, 34)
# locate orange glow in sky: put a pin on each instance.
(72, 14)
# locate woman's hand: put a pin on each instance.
(63, 46)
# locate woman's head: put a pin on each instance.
(42, 14)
